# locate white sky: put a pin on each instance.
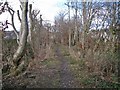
(48, 8)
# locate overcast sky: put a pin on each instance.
(48, 8)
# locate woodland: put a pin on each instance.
(79, 51)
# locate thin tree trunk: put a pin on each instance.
(69, 28)
(31, 24)
(1, 58)
(76, 29)
(84, 35)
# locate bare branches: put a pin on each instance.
(11, 11)
(21, 2)
(2, 7)
(1, 3)
(21, 7)
(30, 11)
(18, 14)
(35, 13)
(4, 25)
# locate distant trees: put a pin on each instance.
(62, 28)
(90, 16)
(96, 39)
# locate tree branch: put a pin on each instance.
(11, 11)
(18, 14)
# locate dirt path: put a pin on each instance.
(66, 78)
(51, 73)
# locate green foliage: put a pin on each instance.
(105, 84)
(103, 58)
(29, 51)
(9, 48)
(50, 63)
(64, 51)
(72, 61)
(88, 82)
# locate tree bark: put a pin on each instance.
(23, 39)
(31, 24)
(1, 58)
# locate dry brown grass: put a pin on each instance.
(99, 60)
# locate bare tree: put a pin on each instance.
(12, 12)
(62, 28)
(17, 63)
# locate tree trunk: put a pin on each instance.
(1, 58)
(31, 25)
(23, 39)
(84, 35)
(69, 27)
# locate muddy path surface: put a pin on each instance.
(66, 77)
(51, 73)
